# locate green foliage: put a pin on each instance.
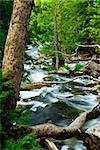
(40, 27)
(6, 74)
(46, 50)
(50, 68)
(0, 81)
(2, 38)
(6, 83)
(11, 141)
(22, 116)
(5, 93)
(27, 142)
(97, 86)
(66, 66)
(5, 15)
(91, 31)
(77, 22)
(78, 66)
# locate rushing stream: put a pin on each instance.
(59, 104)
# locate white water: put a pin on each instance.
(38, 74)
(53, 94)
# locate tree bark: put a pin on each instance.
(56, 36)
(50, 145)
(15, 46)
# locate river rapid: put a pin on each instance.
(59, 104)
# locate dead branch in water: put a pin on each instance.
(37, 85)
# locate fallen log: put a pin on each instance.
(97, 45)
(51, 130)
(37, 85)
(75, 73)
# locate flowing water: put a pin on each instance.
(59, 104)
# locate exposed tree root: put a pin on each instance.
(51, 130)
(50, 145)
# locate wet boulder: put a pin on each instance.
(92, 137)
(86, 52)
(92, 68)
(63, 71)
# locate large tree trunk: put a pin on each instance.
(15, 46)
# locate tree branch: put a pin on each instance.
(37, 85)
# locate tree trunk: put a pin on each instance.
(56, 36)
(1, 57)
(15, 46)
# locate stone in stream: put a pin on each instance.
(92, 137)
(92, 68)
(87, 52)
(63, 71)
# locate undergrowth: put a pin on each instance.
(10, 140)
(77, 67)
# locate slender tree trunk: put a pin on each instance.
(15, 46)
(56, 36)
(0, 57)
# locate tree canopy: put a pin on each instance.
(77, 23)
(5, 15)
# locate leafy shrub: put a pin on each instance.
(78, 66)
(66, 66)
(50, 68)
(46, 50)
(25, 143)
